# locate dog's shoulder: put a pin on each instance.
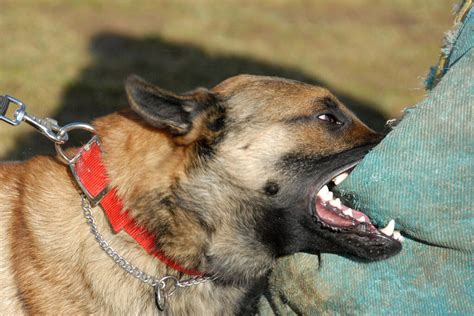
(20, 179)
(12, 172)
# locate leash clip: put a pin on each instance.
(47, 126)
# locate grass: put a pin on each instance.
(68, 59)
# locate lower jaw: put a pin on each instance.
(334, 215)
(341, 217)
(345, 219)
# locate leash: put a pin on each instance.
(90, 175)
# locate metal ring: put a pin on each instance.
(174, 284)
(64, 130)
(160, 298)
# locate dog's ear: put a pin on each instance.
(166, 110)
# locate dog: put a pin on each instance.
(226, 180)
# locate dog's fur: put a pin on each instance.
(222, 177)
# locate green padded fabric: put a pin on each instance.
(421, 175)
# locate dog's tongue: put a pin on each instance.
(332, 217)
(332, 212)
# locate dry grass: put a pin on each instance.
(67, 59)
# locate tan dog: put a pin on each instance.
(227, 180)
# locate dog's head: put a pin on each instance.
(261, 154)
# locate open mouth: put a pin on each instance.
(336, 216)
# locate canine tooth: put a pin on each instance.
(388, 230)
(336, 203)
(324, 193)
(397, 235)
(324, 190)
(347, 212)
(340, 178)
(361, 219)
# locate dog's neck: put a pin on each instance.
(153, 179)
(144, 174)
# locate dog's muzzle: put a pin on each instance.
(353, 226)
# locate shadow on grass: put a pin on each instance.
(99, 88)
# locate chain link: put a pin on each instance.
(162, 283)
(118, 259)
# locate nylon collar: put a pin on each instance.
(91, 175)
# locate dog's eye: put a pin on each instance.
(329, 118)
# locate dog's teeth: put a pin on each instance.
(340, 178)
(336, 203)
(324, 190)
(361, 219)
(329, 196)
(324, 193)
(347, 212)
(397, 235)
(388, 230)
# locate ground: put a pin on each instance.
(68, 59)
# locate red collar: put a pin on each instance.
(91, 176)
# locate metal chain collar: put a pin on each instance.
(164, 287)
